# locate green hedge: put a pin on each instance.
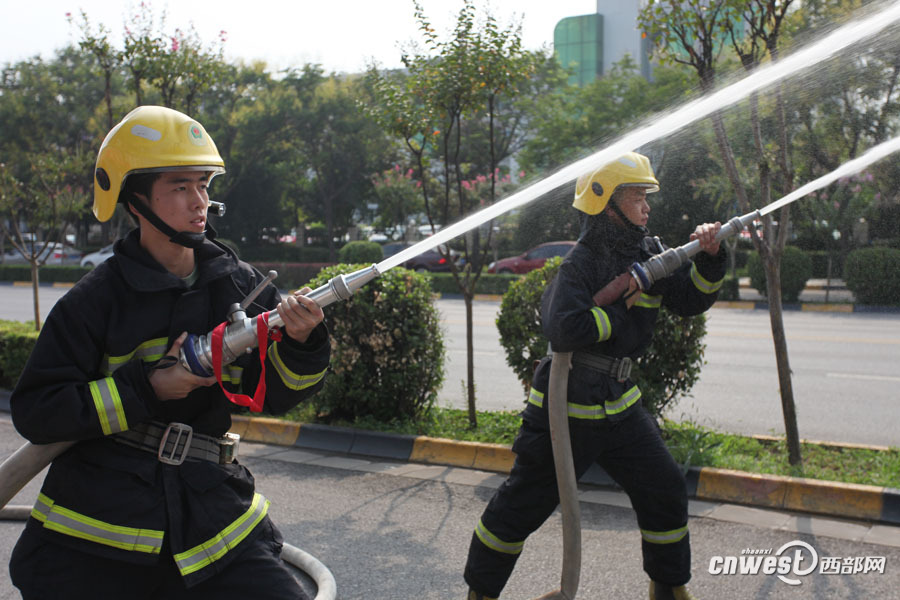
(820, 264)
(488, 283)
(873, 275)
(284, 253)
(16, 342)
(46, 274)
(292, 276)
(796, 269)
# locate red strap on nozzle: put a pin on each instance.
(262, 333)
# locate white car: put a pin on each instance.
(95, 258)
(52, 254)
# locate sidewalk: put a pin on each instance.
(874, 504)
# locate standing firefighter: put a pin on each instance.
(602, 317)
(150, 503)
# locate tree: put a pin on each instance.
(450, 110)
(695, 33)
(41, 199)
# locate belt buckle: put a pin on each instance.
(623, 369)
(172, 457)
(228, 448)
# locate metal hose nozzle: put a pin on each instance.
(240, 334)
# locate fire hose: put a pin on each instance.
(197, 356)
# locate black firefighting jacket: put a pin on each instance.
(87, 380)
(573, 323)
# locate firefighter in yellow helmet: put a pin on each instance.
(594, 310)
(151, 502)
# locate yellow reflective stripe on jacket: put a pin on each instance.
(292, 380)
(110, 411)
(648, 301)
(623, 401)
(232, 374)
(147, 351)
(576, 411)
(494, 543)
(215, 548)
(68, 522)
(703, 284)
(604, 328)
(664, 537)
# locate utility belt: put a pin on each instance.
(176, 442)
(617, 368)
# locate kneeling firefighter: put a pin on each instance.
(595, 310)
(151, 502)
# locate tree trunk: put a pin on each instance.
(470, 360)
(37, 302)
(786, 388)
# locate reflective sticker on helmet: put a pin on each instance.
(148, 133)
(195, 134)
(628, 162)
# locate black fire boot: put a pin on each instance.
(659, 591)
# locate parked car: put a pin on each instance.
(430, 260)
(532, 259)
(95, 258)
(54, 254)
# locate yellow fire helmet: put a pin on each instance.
(150, 139)
(594, 188)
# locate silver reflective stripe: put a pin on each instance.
(664, 537)
(232, 374)
(290, 379)
(703, 284)
(68, 522)
(624, 401)
(215, 548)
(603, 326)
(494, 543)
(648, 301)
(110, 411)
(535, 397)
(148, 351)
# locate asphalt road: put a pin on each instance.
(844, 369)
(386, 531)
(844, 373)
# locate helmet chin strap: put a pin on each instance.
(182, 238)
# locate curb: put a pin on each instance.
(846, 500)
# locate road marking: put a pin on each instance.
(863, 376)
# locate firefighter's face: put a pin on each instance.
(180, 199)
(632, 202)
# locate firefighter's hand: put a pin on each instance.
(623, 285)
(706, 235)
(170, 380)
(300, 315)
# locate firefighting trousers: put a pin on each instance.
(631, 452)
(47, 571)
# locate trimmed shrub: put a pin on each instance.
(16, 343)
(667, 371)
(360, 252)
(796, 269)
(873, 275)
(387, 349)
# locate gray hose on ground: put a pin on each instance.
(558, 412)
(309, 564)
